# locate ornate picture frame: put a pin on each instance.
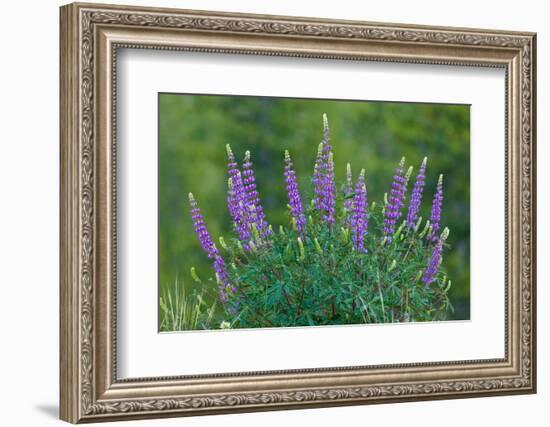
(90, 37)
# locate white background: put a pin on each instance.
(144, 73)
(29, 174)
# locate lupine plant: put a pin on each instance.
(338, 260)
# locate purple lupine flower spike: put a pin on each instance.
(328, 187)
(416, 195)
(436, 258)
(294, 198)
(236, 198)
(232, 205)
(318, 178)
(395, 201)
(205, 240)
(359, 219)
(437, 203)
(257, 215)
(236, 210)
(329, 190)
(210, 248)
(348, 199)
(433, 264)
(323, 177)
(222, 279)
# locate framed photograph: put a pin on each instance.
(266, 212)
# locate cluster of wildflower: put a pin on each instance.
(211, 250)
(253, 231)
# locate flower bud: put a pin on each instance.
(345, 235)
(301, 249)
(417, 226)
(194, 275)
(223, 244)
(409, 173)
(425, 230)
(399, 230)
(318, 246)
(288, 252)
(348, 174)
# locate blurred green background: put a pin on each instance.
(193, 131)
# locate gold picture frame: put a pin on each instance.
(90, 36)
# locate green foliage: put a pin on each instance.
(181, 311)
(317, 278)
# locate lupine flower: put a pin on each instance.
(206, 242)
(395, 201)
(252, 197)
(348, 196)
(323, 177)
(359, 220)
(433, 264)
(209, 247)
(232, 204)
(437, 203)
(236, 198)
(223, 279)
(328, 186)
(294, 198)
(318, 178)
(416, 195)
(436, 258)
(236, 210)
(329, 190)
